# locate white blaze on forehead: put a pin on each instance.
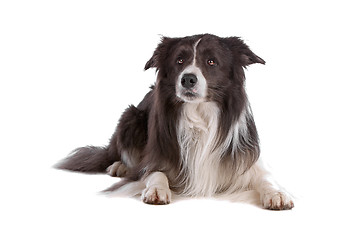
(195, 46)
(201, 86)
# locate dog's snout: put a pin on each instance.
(188, 80)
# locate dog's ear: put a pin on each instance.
(242, 52)
(160, 53)
(150, 63)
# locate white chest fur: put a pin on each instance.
(200, 155)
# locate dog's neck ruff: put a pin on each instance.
(200, 151)
(197, 132)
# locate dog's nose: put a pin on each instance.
(188, 80)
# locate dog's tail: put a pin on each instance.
(87, 159)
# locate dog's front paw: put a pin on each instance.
(157, 196)
(117, 169)
(277, 201)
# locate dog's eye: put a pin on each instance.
(180, 61)
(211, 62)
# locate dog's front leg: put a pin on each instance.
(271, 194)
(157, 189)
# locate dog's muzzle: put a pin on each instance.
(191, 85)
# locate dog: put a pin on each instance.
(193, 134)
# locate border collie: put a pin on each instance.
(193, 133)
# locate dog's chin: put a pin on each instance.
(191, 97)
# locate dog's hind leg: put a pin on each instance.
(128, 141)
(117, 169)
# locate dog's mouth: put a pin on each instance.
(190, 95)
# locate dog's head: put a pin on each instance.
(200, 68)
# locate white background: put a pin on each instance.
(68, 69)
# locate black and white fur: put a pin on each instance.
(193, 133)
